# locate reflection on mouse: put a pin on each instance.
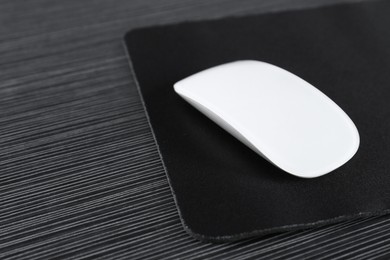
(278, 115)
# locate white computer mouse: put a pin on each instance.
(278, 115)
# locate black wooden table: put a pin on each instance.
(80, 174)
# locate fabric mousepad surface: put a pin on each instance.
(224, 191)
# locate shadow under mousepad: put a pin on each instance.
(224, 191)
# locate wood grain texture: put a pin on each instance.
(80, 173)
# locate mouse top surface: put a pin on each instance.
(280, 116)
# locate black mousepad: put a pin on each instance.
(224, 191)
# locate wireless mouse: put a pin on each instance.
(277, 114)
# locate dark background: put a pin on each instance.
(80, 175)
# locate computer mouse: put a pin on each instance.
(277, 114)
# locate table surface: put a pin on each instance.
(80, 173)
